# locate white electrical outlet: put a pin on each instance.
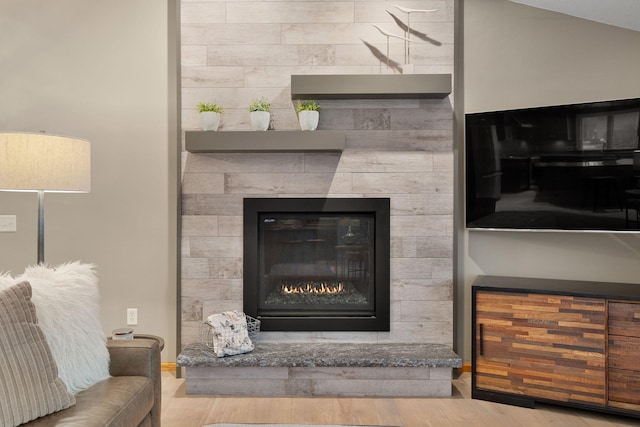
(132, 316)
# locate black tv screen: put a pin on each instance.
(562, 167)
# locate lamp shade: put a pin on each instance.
(44, 162)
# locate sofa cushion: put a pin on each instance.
(114, 402)
(29, 384)
(68, 305)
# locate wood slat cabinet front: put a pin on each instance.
(623, 354)
(540, 347)
(574, 343)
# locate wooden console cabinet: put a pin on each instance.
(557, 341)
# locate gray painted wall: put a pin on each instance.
(100, 71)
(518, 56)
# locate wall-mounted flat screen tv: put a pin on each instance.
(563, 167)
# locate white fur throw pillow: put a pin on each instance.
(68, 308)
(6, 280)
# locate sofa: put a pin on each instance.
(58, 368)
(131, 397)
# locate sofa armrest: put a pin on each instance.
(138, 357)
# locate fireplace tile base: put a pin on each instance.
(374, 370)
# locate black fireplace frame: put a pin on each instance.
(379, 207)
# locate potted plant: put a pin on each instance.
(210, 115)
(308, 114)
(260, 114)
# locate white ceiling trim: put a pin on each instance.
(621, 13)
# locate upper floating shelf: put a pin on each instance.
(263, 141)
(371, 86)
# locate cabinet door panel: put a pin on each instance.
(624, 387)
(624, 319)
(624, 352)
(624, 349)
(538, 345)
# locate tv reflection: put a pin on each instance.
(569, 167)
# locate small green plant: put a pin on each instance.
(309, 105)
(260, 105)
(203, 106)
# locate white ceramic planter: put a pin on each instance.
(260, 120)
(308, 119)
(210, 120)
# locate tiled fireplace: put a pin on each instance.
(418, 184)
(396, 148)
(317, 264)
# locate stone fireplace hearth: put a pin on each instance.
(323, 369)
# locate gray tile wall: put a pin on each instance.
(235, 51)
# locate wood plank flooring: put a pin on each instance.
(180, 410)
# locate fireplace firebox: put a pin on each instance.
(317, 264)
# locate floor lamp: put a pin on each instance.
(43, 163)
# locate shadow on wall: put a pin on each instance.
(413, 32)
(407, 33)
(384, 59)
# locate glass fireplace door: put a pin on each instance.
(315, 264)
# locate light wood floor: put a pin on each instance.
(180, 410)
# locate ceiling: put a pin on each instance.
(621, 13)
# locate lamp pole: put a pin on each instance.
(40, 227)
(42, 163)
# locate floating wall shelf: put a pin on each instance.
(370, 86)
(263, 141)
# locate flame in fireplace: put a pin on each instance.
(313, 288)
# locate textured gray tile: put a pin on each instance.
(420, 225)
(209, 204)
(216, 247)
(426, 310)
(193, 268)
(245, 162)
(422, 204)
(422, 290)
(230, 225)
(372, 119)
(288, 12)
(193, 55)
(222, 289)
(202, 183)
(410, 268)
(201, 13)
(225, 268)
(212, 77)
(284, 183)
(199, 225)
(253, 55)
(230, 34)
(367, 11)
(397, 148)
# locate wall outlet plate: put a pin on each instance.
(132, 316)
